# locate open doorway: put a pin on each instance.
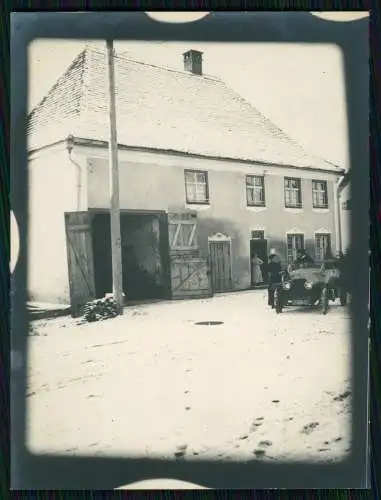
(258, 246)
(144, 244)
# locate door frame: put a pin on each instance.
(162, 216)
(222, 238)
(264, 274)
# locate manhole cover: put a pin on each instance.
(209, 323)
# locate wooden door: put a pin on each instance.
(80, 259)
(190, 278)
(220, 263)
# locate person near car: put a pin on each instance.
(329, 261)
(274, 276)
(302, 259)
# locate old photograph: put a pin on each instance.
(189, 211)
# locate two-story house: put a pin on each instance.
(204, 178)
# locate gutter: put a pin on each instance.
(69, 147)
(338, 187)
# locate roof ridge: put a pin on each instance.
(123, 56)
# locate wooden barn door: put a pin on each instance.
(80, 259)
(189, 271)
(220, 262)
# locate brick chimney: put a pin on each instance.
(193, 62)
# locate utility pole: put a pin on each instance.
(116, 252)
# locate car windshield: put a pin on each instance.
(307, 265)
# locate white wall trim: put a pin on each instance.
(219, 237)
(322, 210)
(294, 230)
(49, 150)
(294, 210)
(183, 161)
(256, 209)
(323, 230)
(197, 208)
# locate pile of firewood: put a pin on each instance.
(100, 309)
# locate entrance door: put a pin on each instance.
(80, 259)
(220, 262)
(259, 247)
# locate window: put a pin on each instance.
(292, 193)
(294, 243)
(196, 187)
(346, 205)
(257, 235)
(182, 229)
(322, 243)
(319, 194)
(255, 190)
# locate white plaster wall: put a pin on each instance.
(52, 191)
(151, 181)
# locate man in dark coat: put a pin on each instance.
(302, 259)
(274, 276)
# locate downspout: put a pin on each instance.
(69, 147)
(337, 208)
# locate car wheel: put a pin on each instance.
(277, 301)
(343, 297)
(324, 300)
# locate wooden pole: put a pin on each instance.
(116, 253)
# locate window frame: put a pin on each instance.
(252, 187)
(195, 172)
(293, 235)
(260, 232)
(299, 180)
(314, 191)
(318, 235)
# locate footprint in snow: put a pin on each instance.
(307, 429)
(254, 426)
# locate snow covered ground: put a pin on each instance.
(151, 382)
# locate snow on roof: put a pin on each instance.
(164, 109)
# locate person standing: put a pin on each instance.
(274, 274)
(302, 259)
(257, 264)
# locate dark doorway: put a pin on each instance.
(258, 246)
(144, 255)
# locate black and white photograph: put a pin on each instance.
(189, 229)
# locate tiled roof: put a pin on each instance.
(162, 109)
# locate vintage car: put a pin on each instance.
(309, 286)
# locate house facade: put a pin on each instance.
(202, 189)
